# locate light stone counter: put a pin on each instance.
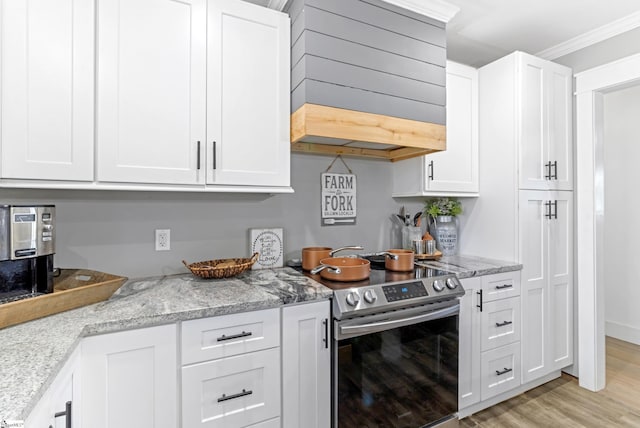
(32, 353)
(468, 266)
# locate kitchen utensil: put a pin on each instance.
(397, 219)
(418, 246)
(221, 268)
(416, 218)
(402, 262)
(311, 256)
(343, 269)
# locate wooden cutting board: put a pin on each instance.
(72, 289)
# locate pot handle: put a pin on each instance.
(351, 247)
(333, 269)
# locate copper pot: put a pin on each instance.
(402, 262)
(343, 269)
(311, 256)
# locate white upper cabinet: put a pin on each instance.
(46, 96)
(455, 170)
(151, 91)
(545, 128)
(248, 95)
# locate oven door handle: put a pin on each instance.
(374, 327)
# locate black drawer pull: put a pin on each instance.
(502, 324)
(479, 293)
(232, 396)
(234, 336)
(502, 287)
(66, 413)
(506, 370)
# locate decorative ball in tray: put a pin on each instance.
(221, 268)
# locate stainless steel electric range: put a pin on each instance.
(395, 349)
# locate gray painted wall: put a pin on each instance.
(114, 231)
(609, 50)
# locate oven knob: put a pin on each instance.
(370, 296)
(452, 282)
(353, 298)
(438, 285)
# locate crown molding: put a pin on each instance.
(277, 4)
(436, 9)
(594, 36)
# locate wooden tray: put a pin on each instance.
(72, 289)
(434, 256)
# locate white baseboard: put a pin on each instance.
(623, 332)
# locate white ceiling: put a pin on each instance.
(485, 30)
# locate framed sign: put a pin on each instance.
(270, 245)
(338, 204)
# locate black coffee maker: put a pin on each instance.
(27, 245)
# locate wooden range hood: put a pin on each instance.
(329, 130)
(368, 78)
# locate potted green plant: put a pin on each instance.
(442, 213)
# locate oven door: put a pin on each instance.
(398, 369)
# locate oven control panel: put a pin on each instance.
(403, 291)
(363, 300)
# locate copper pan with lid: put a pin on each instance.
(311, 256)
(343, 269)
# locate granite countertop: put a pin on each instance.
(34, 352)
(469, 266)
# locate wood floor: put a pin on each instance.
(562, 403)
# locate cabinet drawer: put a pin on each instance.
(500, 370)
(217, 337)
(232, 392)
(500, 323)
(500, 286)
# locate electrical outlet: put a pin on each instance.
(163, 239)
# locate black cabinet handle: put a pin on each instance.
(502, 287)
(555, 170)
(234, 336)
(555, 209)
(232, 396)
(66, 413)
(548, 167)
(198, 157)
(502, 324)
(547, 205)
(430, 171)
(480, 305)
(506, 370)
(325, 339)
(214, 155)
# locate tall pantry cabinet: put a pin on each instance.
(526, 183)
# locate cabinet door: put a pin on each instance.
(151, 91)
(469, 348)
(561, 281)
(560, 125)
(232, 392)
(534, 211)
(533, 119)
(129, 379)
(247, 95)
(456, 169)
(47, 57)
(306, 358)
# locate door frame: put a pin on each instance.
(591, 85)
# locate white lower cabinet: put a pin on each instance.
(490, 331)
(306, 362)
(231, 370)
(232, 392)
(60, 399)
(129, 379)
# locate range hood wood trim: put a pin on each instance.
(414, 138)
